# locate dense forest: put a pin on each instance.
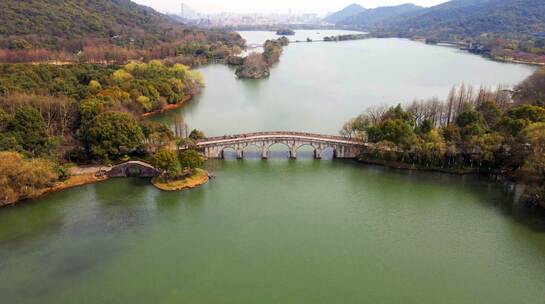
(53, 115)
(103, 31)
(496, 132)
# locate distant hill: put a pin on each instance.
(74, 18)
(48, 23)
(345, 13)
(103, 31)
(382, 15)
(467, 18)
(471, 18)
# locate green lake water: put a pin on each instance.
(288, 231)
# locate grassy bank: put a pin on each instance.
(198, 178)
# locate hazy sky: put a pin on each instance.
(272, 6)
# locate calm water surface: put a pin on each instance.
(318, 86)
(258, 37)
(281, 231)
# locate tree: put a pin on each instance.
(426, 126)
(157, 135)
(451, 133)
(532, 171)
(356, 127)
(491, 113)
(191, 160)
(527, 112)
(5, 120)
(94, 87)
(470, 122)
(167, 161)
(397, 113)
(254, 67)
(112, 135)
(20, 178)
(534, 137)
(519, 117)
(196, 135)
(29, 129)
(532, 90)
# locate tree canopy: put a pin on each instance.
(113, 135)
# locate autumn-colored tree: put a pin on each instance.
(20, 178)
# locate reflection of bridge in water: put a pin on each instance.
(343, 147)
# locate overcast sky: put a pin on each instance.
(272, 6)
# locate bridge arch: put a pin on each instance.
(228, 150)
(310, 147)
(269, 148)
(133, 169)
(329, 152)
(253, 148)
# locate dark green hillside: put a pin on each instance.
(472, 18)
(76, 18)
(101, 31)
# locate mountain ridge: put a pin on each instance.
(469, 18)
(381, 15)
(351, 10)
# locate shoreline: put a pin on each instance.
(72, 182)
(169, 107)
(94, 175)
(199, 178)
(408, 167)
(483, 55)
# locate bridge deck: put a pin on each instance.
(279, 136)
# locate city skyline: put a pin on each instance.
(269, 6)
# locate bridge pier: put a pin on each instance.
(317, 154)
(264, 153)
(293, 153)
(240, 154)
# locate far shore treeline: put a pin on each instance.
(496, 132)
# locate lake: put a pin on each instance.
(318, 86)
(289, 231)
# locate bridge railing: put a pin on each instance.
(281, 133)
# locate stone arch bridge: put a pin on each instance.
(133, 168)
(343, 147)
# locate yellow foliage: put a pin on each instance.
(20, 178)
(180, 70)
(177, 85)
(94, 87)
(197, 77)
(115, 95)
(145, 103)
(122, 76)
(155, 64)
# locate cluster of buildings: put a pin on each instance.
(241, 20)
